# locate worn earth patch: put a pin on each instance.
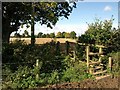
(107, 82)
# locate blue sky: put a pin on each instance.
(85, 12)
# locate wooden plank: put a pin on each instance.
(102, 77)
(98, 62)
(84, 44)
(91, 53)
(98, 67)
(100, 72)
(101, 46)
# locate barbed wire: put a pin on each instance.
(10, 74)
(26, 62)
(17, 63)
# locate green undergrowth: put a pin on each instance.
(19, 66)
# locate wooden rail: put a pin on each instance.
(96, 67)
(88, 54)
(99, 46)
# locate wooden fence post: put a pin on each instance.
(110, 63)
(37, 66)
(74, 55)
(67, 47)
(87, 56)
(100, 52)
(58, 48)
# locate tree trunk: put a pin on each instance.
(6, 32)
(6, 37)
(32, 26)
(7, 29)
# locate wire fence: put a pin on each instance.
(34, 64)
(17, 65)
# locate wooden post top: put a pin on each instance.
(84, 44)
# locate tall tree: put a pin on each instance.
(63, 34)
(52, 35)
(40, 35)
(99, 32)
(115, 41)
(44, 36)
(72, 34)
(67, 35)
(32, 24)
(47, 35)
(18, 13)
(59, 35)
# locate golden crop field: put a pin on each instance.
(43, 40)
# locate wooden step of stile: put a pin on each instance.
(102, 77)
(72, 58)
(92, 63)
(98, 68)
(95, 69)
(92, 53)
(96, 65)
(100, 72)
(101, 64)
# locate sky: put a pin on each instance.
(85, 12)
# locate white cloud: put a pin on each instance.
(107, 8)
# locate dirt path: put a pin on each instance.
(107, 82)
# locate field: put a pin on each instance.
(44, 40)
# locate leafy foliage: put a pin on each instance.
(75, 73)
(98, 32)
(52, 35)
(19, 13)
(80, 52)
(102, 33)
(116, 62)
(59, 35)
(19, 70)
(67, 35)
(73, 34)
(115, 46)
(40, 35)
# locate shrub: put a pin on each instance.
(19, 61)
(116, 63)
(75, 73)
(80, 52)
(22, 78)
